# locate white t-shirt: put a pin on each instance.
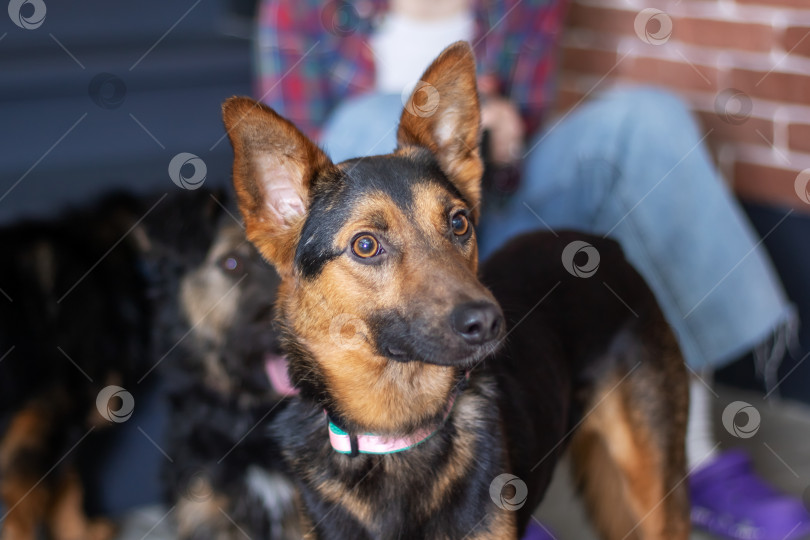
(404, 47)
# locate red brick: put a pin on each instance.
(724, 34)
(797, 40)
(799, 137)
(677, 75)
(775, 85)
(613, 21)
(776, 3)
(747, 131)
(706, 32)
(771, 185)
(588, 60)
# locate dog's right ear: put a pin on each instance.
(274, 164)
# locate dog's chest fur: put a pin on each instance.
(429, 491)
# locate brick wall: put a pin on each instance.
(744, 65)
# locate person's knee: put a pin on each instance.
(651, 109)
(645, 98)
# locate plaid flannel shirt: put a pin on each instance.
(311, 54)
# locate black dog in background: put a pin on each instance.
(105, 296)
(214, 320)
(74, 319)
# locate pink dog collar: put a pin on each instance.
(377, 444)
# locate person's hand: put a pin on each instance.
(501, 117)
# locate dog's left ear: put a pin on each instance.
(442, 114)
(274, 164)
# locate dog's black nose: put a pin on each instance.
(477, 322)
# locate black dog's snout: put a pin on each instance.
(477, 322)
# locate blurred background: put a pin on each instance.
(744, 66)
(102, 95)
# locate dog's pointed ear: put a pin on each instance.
(442, 114)
(274, 164)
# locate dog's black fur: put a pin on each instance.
(570, 335)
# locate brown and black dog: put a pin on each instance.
(389, 330)
(75, 318)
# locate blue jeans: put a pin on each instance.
(629, 164)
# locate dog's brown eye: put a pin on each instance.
(365, 246)
(231, 263)
(460, 224)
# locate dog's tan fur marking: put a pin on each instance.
(338, 493)
(466, 418)
(209, 300)
(615, 458)
(502, 525)
(204, 513)
(208, 297)
(26, 503)
(32, 500)
(67, 520)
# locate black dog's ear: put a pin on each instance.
(273, 166)
(442, 114)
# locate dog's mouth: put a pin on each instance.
(275, 366)
(482, 354)
(466, 359)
